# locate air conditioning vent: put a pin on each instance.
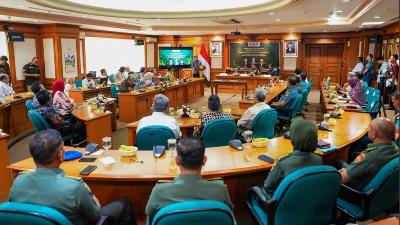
(226, 22)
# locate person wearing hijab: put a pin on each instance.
(69, 84)
(356, 92)
(304, 139)
(60, 100)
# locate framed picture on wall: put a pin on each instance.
(69, 62)
(216, 49)
(290, 48)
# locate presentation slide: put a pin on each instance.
(240, 53)
(181, 57)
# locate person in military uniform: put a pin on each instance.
(189, 185)
(361, 171)
(31, 71)
(49, 186)
(288, 99)
(304, 138)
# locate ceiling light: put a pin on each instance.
(277, 20)
(339, 11)
(21, 6)
(84, 16)
(377, 17)
(361, 26)
(35, 20)
(271, 13)
(372, 23)
(345, 1)
(181, 23)
(325, 31)
(158, 19)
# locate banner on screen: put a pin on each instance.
(181, 57)
(239, 53)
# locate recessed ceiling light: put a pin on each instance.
(339, 11)
(277, 20)
(158, 19)
(361, 26)
(325, 31)
(84, 16)
(346, 1)
(181, 23)
(377, 17)
(372, 23)
(271, 13)
(21, 6)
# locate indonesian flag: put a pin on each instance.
(205, 61)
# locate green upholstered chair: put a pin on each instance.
(378, 196)
(304, 96)
(22, 214)
(263, 125)
(78, 83)
(286, 115)
(114, 90)
(305, 196)
(28, 105)
(198, 212)
(218, 132)
(111, 78)
(150, 136)
(39, 123)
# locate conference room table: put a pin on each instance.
(252, 81)
(134, 177)
(5, 183)
(328, 105)
(14, 114)
(137, 104)
(81, 94)
(98, 124)
(272, 95)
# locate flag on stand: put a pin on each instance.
(205, 61)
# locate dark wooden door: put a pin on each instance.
(324, 61)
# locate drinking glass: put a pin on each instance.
(171, 111)
(171, 147)
(248, 135)
(107, 145)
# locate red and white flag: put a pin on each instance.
(205, 61)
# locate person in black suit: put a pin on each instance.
(290, 49)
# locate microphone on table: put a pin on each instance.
(228, 99)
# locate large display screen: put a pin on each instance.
(181, 57)
(242, 54)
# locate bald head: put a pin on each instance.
(382, 128)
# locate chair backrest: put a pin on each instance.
(150, 136)
(296, 105)
(263, 125)
(195, 213)
(304, 95)
(111, 78)
(307, 196)
(384, 187)
(78, 83)
(29, 105)
(38, 121)
(114, 91)
(218, 132)
(22, 214)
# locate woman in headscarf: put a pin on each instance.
(357, 91)
(60, 100)
(304, 139)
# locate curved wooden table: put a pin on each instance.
(239, 169)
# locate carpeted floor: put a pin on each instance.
(20, 150)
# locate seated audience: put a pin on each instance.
(169, 76)
(304, 138)
(49, 186)
(246, 120)
(149, 77)
(56, 119)
(189, 185)
(36, 87)
(5, 88)
(359, 68)
(119, 76)
(297, 72)
(89, 82)
(69, 84)
(357, 90)
(298, 84)
(104, 77)
(128, 84)
(215, 111)
(304, 81)
(361, 171)
(60, 100)
(142, 71)
(271, 70)
(4, 66)
(286, 101)
(159, 117)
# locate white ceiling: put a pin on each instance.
(305, 16)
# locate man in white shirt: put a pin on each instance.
(159, 118)
(358, 69)
(5, 88)
(88, 82)
(245, 122)
(383, 69)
